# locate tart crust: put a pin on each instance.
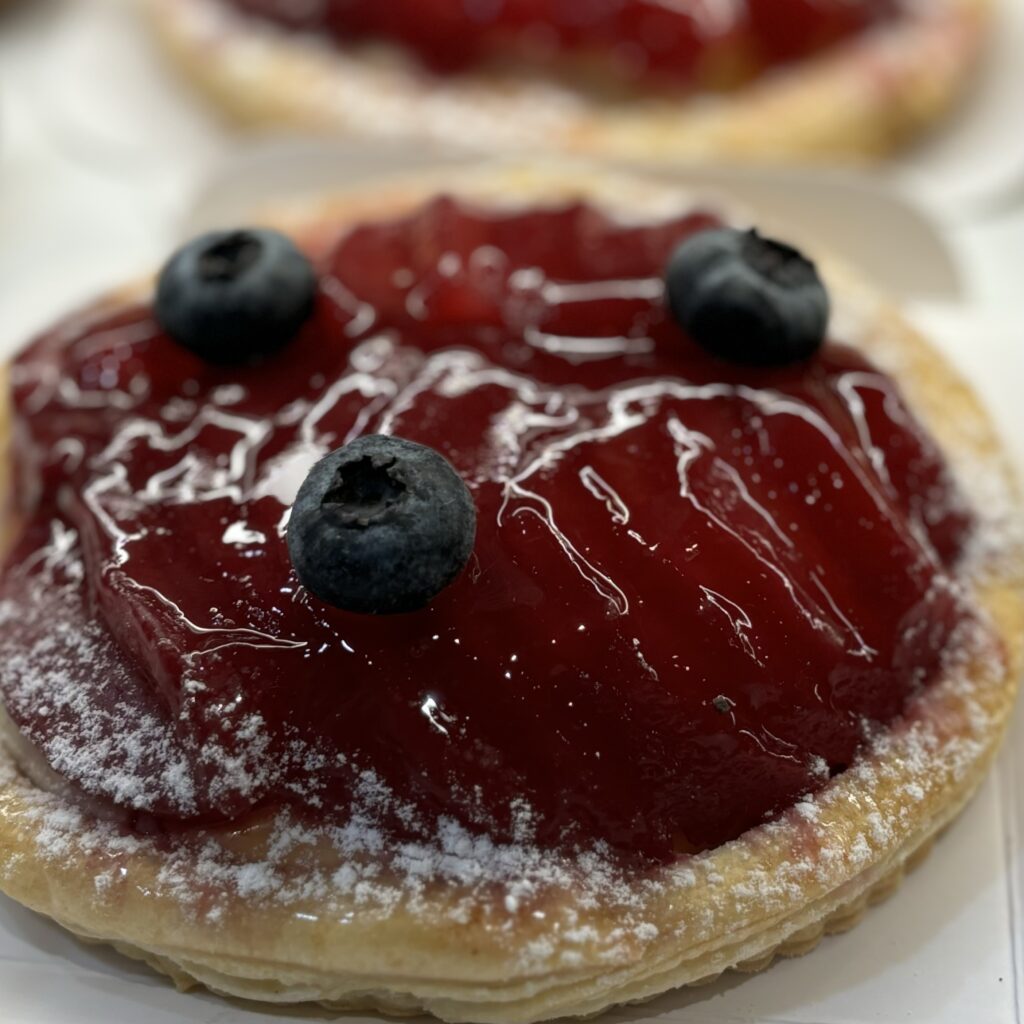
(774, 891)
(857, 101)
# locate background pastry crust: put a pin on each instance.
(562, 952)
(857, 101)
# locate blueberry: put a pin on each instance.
(746, 298)
(235, 296)
(381, 526)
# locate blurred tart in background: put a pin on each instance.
(637, 79)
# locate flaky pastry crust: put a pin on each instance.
(472, 953)
(859, 100)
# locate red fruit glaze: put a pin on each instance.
(704, 43)
(695, 587)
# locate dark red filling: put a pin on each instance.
(696, 588)
(704, 43)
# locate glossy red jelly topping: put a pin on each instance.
(706, 43)
(696, 588)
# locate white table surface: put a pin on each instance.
(102, 156)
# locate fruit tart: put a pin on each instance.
(504, 595)
(625, 79)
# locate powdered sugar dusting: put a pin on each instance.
(136, 765)
(334, 869)
(83, 718)
(852, 824)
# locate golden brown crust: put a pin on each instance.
(773, 891)
(858, 101)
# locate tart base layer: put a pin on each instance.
(482, 949)
(216, 974)
(859, 101)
